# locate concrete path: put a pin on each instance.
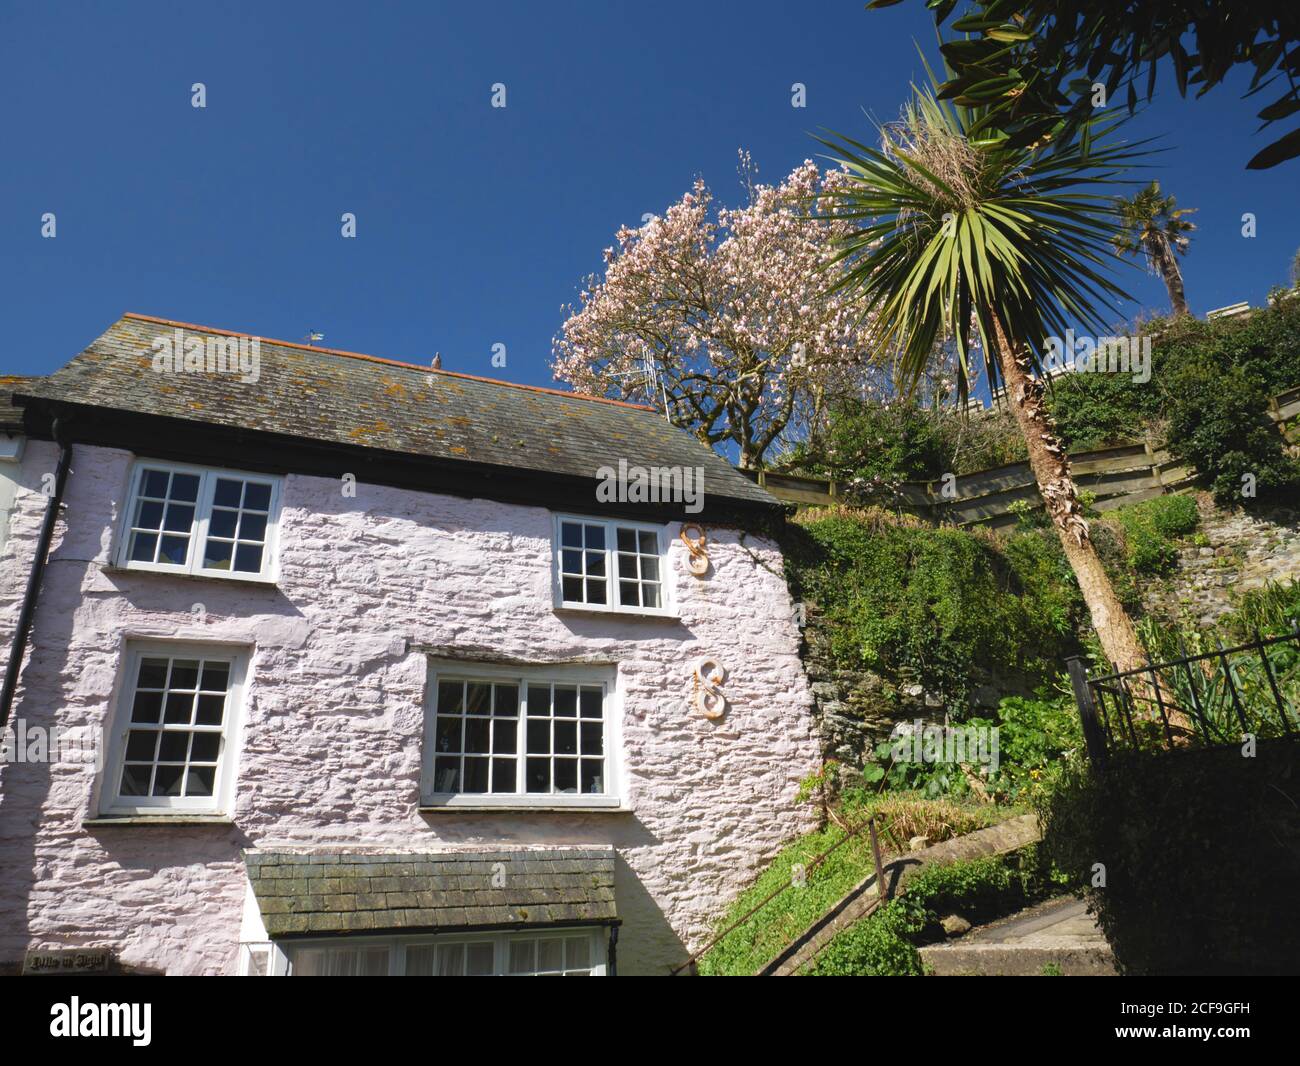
(1058, 935)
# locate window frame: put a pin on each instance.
(591, 674)
(281, 960)
(668, 602)
(221, 802)
(198, 535)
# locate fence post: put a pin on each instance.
(875, 853)
(1093, 736)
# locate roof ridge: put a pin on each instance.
(389, 362)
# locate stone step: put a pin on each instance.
(1005, 960)
(1056, 937)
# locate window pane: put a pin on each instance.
(478, 698)
(185, 487)
(216, 676)
(593, 777)
(539, 700)
(185, 674)
(228, 492)
(539, 775)
(571, 591)
(218, 554)
(174, 550)
(446, 774)
(566, 738)
(167, 780)
(650, 596)
(566, 775)
(505, 736)
(595, 591)
(550, 955)
(591, 702)
(570, 535)
(577, 952)
(143, 547)
(627, 566)
(447, 735)
(149, 515)
(135, 780)
(180, 708)
(595, 538)
(179, 518)
(626, 540)
(596, 564)
(476, 775)
(627, 594)
(539, 737)
(479, 959)
(649, 543)
(211, 710)
(153, 673)
(248, 558)
(593, 738)
(451, 960)
(505, 700)
(570, 562)
(650, 568)
(257, 496)
(252, 526)
(523, 954)
(205, 747)
(154, 483)
(147, 707)
(503, 775)
(223, 523)
(175, 746)
(141, 745)
(566, 701)
(419, 961)
(450, 694)
(199, 780)
(477, 735)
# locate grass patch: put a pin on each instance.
(750, 946)
(885, 943)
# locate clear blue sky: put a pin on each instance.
(474, 225)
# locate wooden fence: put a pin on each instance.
(1121, 474)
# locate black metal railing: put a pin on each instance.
(1214, 698)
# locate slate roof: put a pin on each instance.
(11, 417)
(352, 399)
(349, 892)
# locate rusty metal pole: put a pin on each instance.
(875, 851)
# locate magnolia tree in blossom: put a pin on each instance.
(728, 323)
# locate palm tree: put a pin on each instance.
(954, 231)
(1153, 225)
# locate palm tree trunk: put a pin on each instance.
(1167, 264)
(1051, 467)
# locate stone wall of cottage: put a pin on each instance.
(332, 725)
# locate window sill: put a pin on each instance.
(123, 571)
(612, 807)
(157, 819)
(605, 612)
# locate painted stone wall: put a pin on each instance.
(333, 718)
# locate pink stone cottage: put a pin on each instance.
(322, 664)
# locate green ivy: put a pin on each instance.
(937, 606)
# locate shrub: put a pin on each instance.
(1159, 826)
(1034, 737)
(936, 606)
(1152, 529)
(1217, 422)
